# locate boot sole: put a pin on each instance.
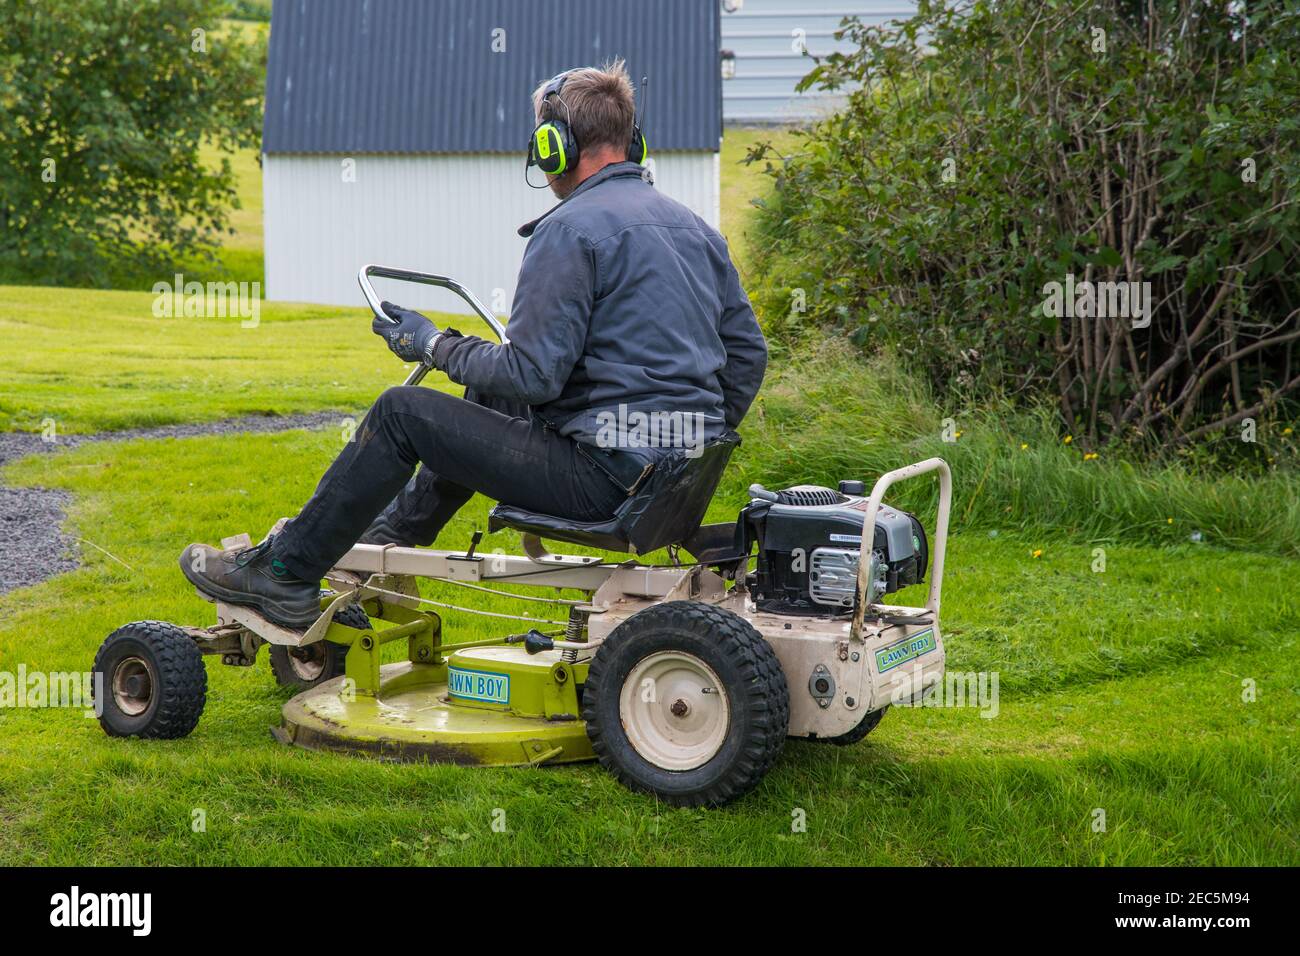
(273, 611)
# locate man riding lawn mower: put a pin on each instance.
(683, 679)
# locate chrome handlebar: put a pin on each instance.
(423, 278)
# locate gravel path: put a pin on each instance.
(33, 545)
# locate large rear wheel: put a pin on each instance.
(688, 702)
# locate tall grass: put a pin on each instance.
(829, 413)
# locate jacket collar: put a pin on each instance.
(612, 171)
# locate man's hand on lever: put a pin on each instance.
(411, 336)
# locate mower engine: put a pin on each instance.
(810, 542)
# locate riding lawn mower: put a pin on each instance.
(682, 678)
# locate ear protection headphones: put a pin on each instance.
(553, 148)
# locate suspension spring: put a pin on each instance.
(576, 630)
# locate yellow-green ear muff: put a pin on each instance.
(552, 148)
(638, 149)
(549, 150)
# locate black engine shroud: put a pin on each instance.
(809, 545)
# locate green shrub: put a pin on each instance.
(104, 105)
(986, 152)
(258, 10)
(826, 414)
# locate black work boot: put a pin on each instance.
(253, 577)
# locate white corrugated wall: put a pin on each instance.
(768, 38)
(454, 215)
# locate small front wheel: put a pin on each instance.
(149, 681)
(687, 701)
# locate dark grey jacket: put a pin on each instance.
(625, 297)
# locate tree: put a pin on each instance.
(104, 105)
(995, 160)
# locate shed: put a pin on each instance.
(396, 131)
(770, 45)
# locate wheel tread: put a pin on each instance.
(181, 675)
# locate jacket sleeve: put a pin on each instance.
(548, 323)
(746, 348)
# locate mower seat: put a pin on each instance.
(667, 509)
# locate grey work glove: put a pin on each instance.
(412, 338)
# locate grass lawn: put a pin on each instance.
(101, 361)
(742, 183)
(1120, 691)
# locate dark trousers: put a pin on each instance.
(463, 446)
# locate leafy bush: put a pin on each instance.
(986, 152)
(104, 105)
(259, 10)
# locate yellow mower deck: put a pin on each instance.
(416, 717)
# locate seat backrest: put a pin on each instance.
(670, 506)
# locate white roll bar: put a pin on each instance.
(869, 535)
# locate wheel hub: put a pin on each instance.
(308, 662)
(673, 711)
(132, 686)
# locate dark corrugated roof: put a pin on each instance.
(420, 76)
